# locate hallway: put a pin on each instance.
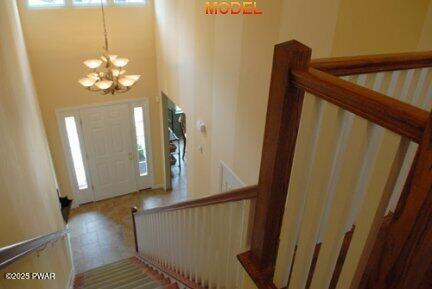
(101, 232)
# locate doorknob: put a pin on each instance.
(131, 156)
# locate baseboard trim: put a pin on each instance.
(72, 271)
(71, 278)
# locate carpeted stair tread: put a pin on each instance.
(151, 285)
(103, 275)
(135, 284)
(113, 274)
(122, 266)
(108, 266)
(117, 279)
(130, 273)
(110, 284)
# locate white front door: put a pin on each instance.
(108, 141)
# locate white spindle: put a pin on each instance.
(232, 218)
(177, 252)
(220, 243)
(189, 241)
(212, 252)
(375, 135)
(350, 164)
(378, 193)
(195, 246)
(206, 250)
(296, 198)
(329, 128)
(201, 246)
(199, 243)
(419, 92)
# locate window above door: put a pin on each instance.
(41, 4)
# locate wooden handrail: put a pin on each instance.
(249, 192)
(409, 238)
(292, 75)
(12, 253)
(373, 63)
(399, 117)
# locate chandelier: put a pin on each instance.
(108, 73)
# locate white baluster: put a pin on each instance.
(296, 199)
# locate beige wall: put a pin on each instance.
(218, 67)
(29, 205)
(425, 42)
(231, 56)
(59, 40)
(385, 26)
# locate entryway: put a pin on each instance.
(175, 145)
(102, 232)
(108, 149)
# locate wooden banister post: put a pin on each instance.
(282, 123)
(403, 258)
(133, 211)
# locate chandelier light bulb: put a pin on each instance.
(93, 75)
(120, 62)
(104, 84)
(134, 77)
(93, 63)
(87, 82)
(115, 72)
(126, 82)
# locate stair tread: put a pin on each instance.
(136, 283)
(116, 277)
(114, 264)
(117, 282)
(123, 274)
(151, 285)
(109, 270)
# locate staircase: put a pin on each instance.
(129, 273)
(344, 195)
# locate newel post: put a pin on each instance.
(282, 123)
(133, 211)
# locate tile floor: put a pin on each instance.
(101, 232)
(179, 175)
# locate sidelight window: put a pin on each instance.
(75, 148)
(140, 140)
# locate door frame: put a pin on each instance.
(165, 140)
(75, 111)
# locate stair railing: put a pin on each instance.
(340, 153)
(12, 253)
(196, 242)
(344, 194)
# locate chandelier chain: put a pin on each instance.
(104, 26)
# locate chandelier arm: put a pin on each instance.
(124, 90)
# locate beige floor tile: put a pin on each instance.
(101, 232)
